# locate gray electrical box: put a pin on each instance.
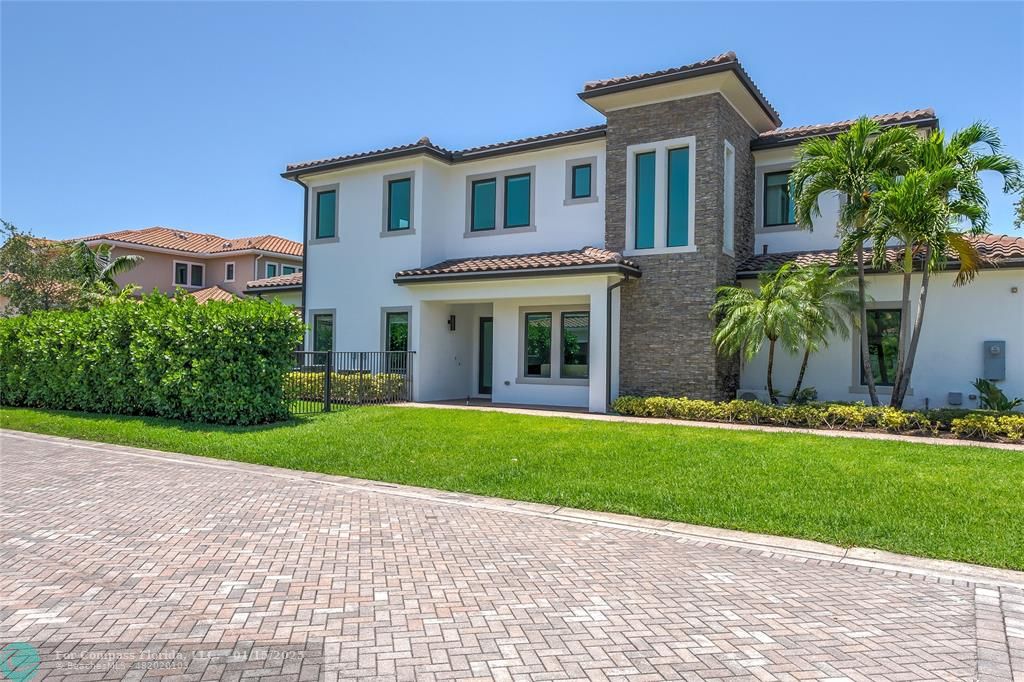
(993, 361)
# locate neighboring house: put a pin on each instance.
(208, 266)
(284, 288)
(568, 268)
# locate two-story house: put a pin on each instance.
(206, 265)
(568, 268)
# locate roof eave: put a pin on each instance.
(283, 287)
(710, 69)
(368, 158)
(756, 145)
(603, 268)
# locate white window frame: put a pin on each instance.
(266, 267)
(556, 345)
(729, 199)
(282, 266)
(189, 263)
(660, 149)
(231, 265)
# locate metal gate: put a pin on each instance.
(319, 380)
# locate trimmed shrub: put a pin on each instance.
(836, 416)
(168, 357)
(346, 387)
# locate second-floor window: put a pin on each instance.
(778, 201)
(271, 269)
(229, 272)
(483, 204)
(326, 214)
(678, 197)
(287, 269)
(517, 200)
(581, 181)
(643, 200)
(399, 207)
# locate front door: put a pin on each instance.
(486, 354)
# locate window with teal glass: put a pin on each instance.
(482, 208)
(581, 181)
(326, 205)
(399, 208)
(678, 197)
(643, 201)
(517, 200)
(778, 202)
(271, 269)
(287, 270)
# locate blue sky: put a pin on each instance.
(127, 114)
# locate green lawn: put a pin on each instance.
(949, 502)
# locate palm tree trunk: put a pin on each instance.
(896, 400)
(865, 357)
(900, 390)
(771, 365)
(803, 368)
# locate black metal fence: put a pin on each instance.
(321, 379)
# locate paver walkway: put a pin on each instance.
(122, 563)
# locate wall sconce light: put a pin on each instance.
(451, 323)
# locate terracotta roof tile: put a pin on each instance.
(993, 248)
(425, 146)
(587, 256)
(785, 135)
(292, 280)
(214, 293)
(592, 88)
(198, 242)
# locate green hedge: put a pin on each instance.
(346, 387)
(842, 416)
(170, 357)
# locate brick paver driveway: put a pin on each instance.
(120, 564)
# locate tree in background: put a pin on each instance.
(849, 164)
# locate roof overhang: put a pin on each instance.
(191, 254)
(283, 287)
(728, 79)
(925, 124)
(621, 269)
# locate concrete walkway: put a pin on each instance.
(570, 413)
(120, 562)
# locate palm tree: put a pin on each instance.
(100, 267)
(922, 212)
(828, 299)
(749, 316)
(849, 164)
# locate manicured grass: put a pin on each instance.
(948, 502)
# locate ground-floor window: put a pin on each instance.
(883, 330)
(575, 345)
(538, 345)
(323, 332)
(397, 329)
(556, 345)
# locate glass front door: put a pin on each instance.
(486, 354)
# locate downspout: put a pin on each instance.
(305, 249)
(608, 347)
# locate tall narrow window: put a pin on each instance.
(643, 200)
(196, 276)
(729, 201)
(678, 197)
(323, 332)
(517, 200)
(778, 203)
(538, 345)
(883, 345)
(326, 213)
(397, 329)
(575, 345)
(229, 272)
(581, 181)
(271, 269)
(482, 208)
(399, 204)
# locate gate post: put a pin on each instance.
(327, 382)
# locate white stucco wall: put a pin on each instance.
(957, 322)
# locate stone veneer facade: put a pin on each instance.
(665, 329)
